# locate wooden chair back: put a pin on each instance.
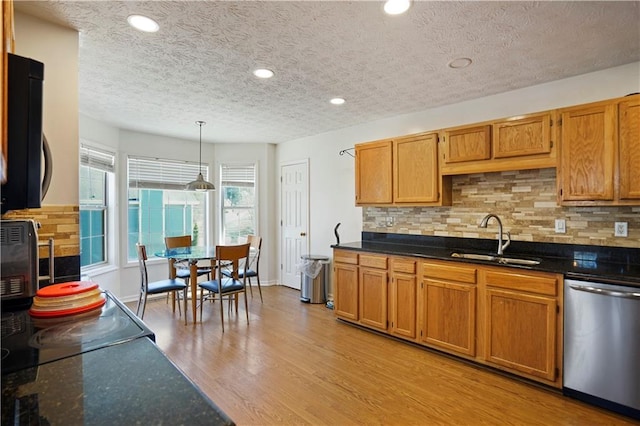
(177, 242)
(256, 244)
(230, 258)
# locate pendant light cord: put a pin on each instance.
(200, 123)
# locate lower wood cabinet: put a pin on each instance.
(403, 297)
(508, 318)
(373, 298)
(522, 322)
(345, 284)
(448, 307)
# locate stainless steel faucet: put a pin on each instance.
(501, 246)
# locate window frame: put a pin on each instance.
(256, 201)
(96, 157)
(177, 174)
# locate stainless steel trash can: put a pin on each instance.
(314, 290)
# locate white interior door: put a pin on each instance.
(294, 197)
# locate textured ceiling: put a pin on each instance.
(199, 65)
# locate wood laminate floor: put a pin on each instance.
(296, 364)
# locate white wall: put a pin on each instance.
(57, 48)
(332, 177)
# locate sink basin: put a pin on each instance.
(497, 259)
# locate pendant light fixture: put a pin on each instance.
(200, 184)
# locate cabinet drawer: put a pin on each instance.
(446, 271)
(540, 284)
(371, 261)
(350, 257)
(403, 265)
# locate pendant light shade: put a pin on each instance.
(200, 184)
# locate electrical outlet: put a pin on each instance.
(560, 226)
(620, 229)
(389, 220)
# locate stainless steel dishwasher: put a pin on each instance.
(602, 345)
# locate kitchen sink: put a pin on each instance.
(497, 259)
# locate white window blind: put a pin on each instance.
(155, 173)
(238, 175)
(97, 158)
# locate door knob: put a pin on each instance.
(303, 234)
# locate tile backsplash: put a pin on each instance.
(526, 203)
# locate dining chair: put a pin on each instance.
(183, 271)
(157, 287)
(254, 263)
(235, 260)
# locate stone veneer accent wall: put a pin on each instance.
(526, 203)
(62, 223)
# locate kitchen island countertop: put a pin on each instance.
(127, 383)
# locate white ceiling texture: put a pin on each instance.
(199, 65)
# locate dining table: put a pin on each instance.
(191, 255)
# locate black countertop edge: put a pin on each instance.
(129, 383)
(609, 264)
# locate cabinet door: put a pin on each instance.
(449, 316)
(588, 153)
(345, 281)
(374, 173)
(521, 137)
(373, 298)
(629, 116)
(520, 332)
(468, 144)
(403, 305)
(415, 169)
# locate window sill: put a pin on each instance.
(98, 270)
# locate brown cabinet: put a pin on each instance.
(373, 303)
(403, 293)
(402, 171)
(468, 144)
(521, 322)
(629, 119)
(345, 284)
(508, 318)
(448, 307)
(415, 169)
(374, 173)
(516, 143)
(600, 158)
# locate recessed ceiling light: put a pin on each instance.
(396, 7)
(460, 63)
(143, 23)
(337, 101)
(263, 73)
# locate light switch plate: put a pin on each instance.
(620, 229)
(560, 226)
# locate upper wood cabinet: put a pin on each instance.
(468, 144)
(415, 169)
(374, 173)
(402, 171)
(600, 159)
(629, 119)
(516, 143)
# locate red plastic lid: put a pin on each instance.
(66, 289)
(52, 314)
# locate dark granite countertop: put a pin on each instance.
(124, 384)
(590, 263)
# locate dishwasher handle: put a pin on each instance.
(605, 292)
